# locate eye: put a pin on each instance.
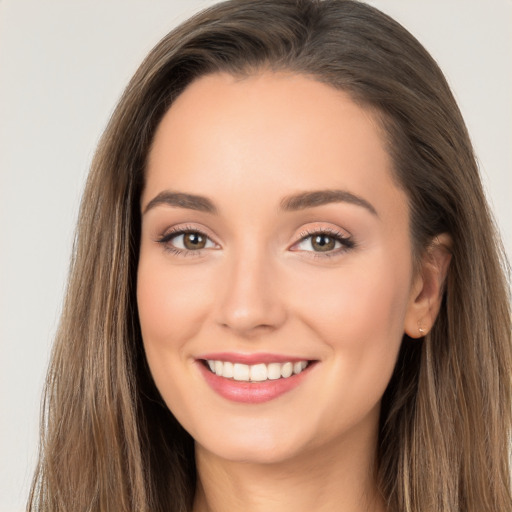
(323, 242)
(191, 241)
(187, 240)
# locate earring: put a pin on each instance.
(421, 330)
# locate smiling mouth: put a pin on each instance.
(255, 373)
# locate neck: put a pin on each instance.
(311, 481)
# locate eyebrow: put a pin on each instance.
(320, 197)
(294, 202)
(181, 200)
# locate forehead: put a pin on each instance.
(269, 134)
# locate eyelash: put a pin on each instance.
(346, 241)
(165, 240)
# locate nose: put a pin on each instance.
(251, 302)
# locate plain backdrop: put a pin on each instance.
(63, 65)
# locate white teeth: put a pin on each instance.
(274, 371)
(240, 371)
(286, 370)
(228, 370)
(257, 372)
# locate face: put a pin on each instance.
(275, 272)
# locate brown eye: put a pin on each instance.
(187, 241)
(194, 241)
(323, 243)
(327, 242)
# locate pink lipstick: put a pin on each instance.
(253, 378)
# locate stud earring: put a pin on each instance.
(421, 330)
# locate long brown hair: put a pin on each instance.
(108, 440)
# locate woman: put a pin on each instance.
(286, 289)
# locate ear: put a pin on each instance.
(428, 287)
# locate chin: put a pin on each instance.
(261, 448)
(256, 455)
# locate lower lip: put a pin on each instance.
(251, 392)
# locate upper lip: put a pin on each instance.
(251, 359)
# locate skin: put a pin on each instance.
(261, 285)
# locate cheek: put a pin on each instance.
(358, 313)
(171, 310)
(359, 304)
(171, 307)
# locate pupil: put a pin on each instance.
(194, 241)
(323, 243)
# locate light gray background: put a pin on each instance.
(64, 63)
